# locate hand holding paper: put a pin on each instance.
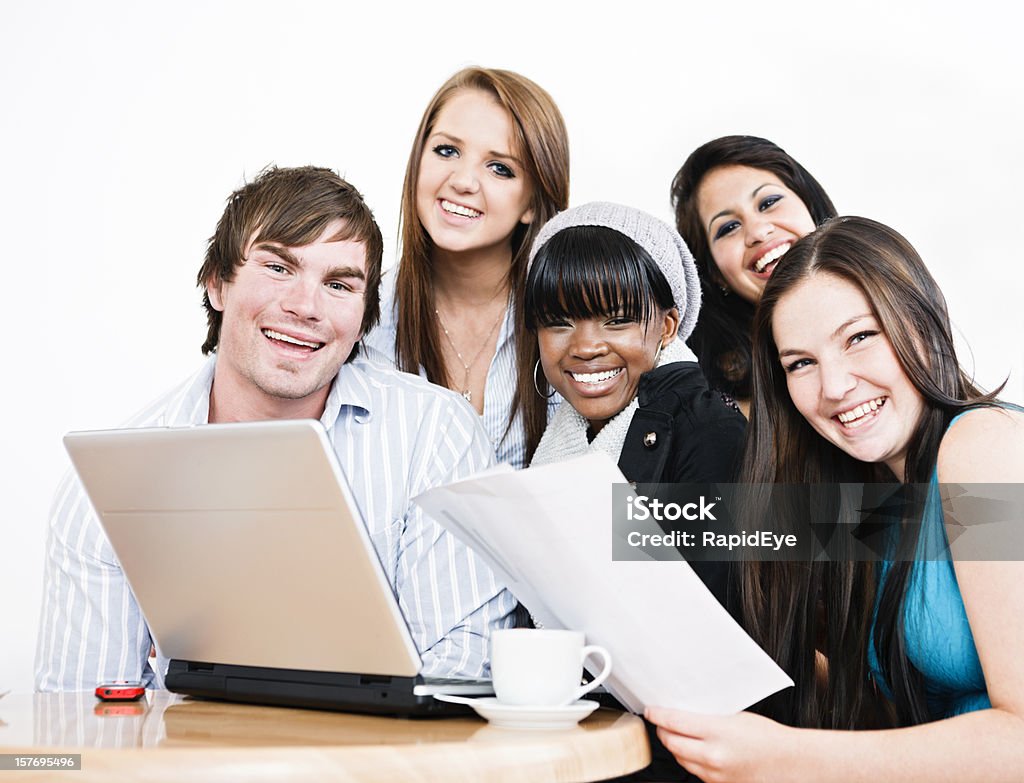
(547, 534)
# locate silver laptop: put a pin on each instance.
(253, 567)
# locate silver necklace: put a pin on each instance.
(468, 365)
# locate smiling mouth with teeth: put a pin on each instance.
(859, 415)
(457, 209)
(772, 256)
(284, 338)
(594, 377)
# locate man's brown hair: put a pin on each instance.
(291, 207)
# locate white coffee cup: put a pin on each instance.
(542, 667)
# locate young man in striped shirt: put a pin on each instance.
(290, 283)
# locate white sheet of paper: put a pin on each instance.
(547, 533)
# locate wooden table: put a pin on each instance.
(170, 738)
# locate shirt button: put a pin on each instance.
(651, 440)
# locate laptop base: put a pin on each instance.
(369, 694)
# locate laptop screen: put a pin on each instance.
(243, 545)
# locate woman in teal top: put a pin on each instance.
(856, 380)
(939, 642)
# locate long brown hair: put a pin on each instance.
(792, 608)
(543, 145)
(722, 337)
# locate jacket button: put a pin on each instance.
(651, 440)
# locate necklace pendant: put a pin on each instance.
(468, 395)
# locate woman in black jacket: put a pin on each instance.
(612, 294)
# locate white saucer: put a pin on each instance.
(513, 716)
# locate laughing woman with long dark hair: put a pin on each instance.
(740, 203)
(856, 379)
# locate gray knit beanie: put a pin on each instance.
(661, 242)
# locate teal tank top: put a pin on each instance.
(939, 641)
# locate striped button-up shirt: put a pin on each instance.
(509, 442)
(395, 436)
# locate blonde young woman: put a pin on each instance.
(489, 165)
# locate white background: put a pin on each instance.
(125, 125)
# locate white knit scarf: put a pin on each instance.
(566, 433)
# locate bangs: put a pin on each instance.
(593, 272)
(296, 211)
(294, 226)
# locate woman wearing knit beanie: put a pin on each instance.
(612, 294)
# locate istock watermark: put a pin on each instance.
(714, 522)
(641, 508)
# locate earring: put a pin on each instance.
(657, 354)
(537, 385)
(724, 289)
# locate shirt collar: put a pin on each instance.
(191, 403)
(351, 388)
(507, 325)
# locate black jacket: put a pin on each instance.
(682, 432)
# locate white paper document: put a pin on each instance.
(547, 533)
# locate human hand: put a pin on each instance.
(726, 748)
